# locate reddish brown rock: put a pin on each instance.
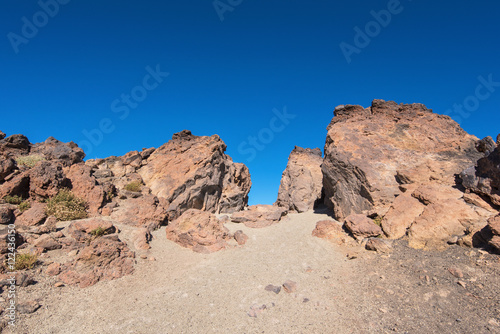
(370, 152)
(47, 242)
(146, 210)
(46, 179)
(141, 238)
(35, 215)
(85, 186)
(53, 269)
(402, 213)
(302, 181)
(85, 230)
(14, 145)
(219, 186)
(362, 227)
(240, 237)
(105, 258)
(257, 216)
(439, 221)
(198, 230)
(378, 245)
(7, 166)
(331, 230)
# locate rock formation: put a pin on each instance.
(302, 181)
(399, 164)
(189, 172)
(257, 216)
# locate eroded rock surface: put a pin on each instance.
(302, 181)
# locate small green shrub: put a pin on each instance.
(134, 186)
(16, 200)
(66, 206)
(98, 232)
(23, 206)
(378, 220)
(29, 160)
(25, 261)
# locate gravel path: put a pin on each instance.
(223, 292)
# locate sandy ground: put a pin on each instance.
(408, 291)
(187, 292)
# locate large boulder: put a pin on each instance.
(400, 163)
(14, 145)
(46, 179)
(370, 152)
(257, 216)
(146, 210)
(302, 181)
(198, 230)
(84, 186)
(104, 258)
(191, 172)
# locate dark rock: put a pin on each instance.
(273, 288)
(240, 237)
(28, 307)
(53, 149)
(290, 286)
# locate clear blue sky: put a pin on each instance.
(226, 77)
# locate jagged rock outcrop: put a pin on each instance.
(399, 163)
(370, 152)
(483, 178)
(189, 172)
(302, 181)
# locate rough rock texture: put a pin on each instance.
(33, 216)
(145, 210)
(105, 258)
(370, 152)
(257, 216)
(330, 230)
(484, 177)
(82, 230)
(492, 232)
(302, 181)
(193, 172)
(53, 149)
(85, 186)
(46, 179)
(188, 172)
(7, 214)
(362, 227)
(198, 230)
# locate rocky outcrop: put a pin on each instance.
(199, 230)
(361, 226)
(302, 181)
(483, 178)
(370, 152)
(399, 164)
(257, 216)
(189, 172)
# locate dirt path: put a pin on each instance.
(186, 292)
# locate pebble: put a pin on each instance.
(152, 258)
(290, 286)
(59, 284)
(273, 288)
(143, 256)
(456, 272)
(462, 284)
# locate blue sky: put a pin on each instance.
(231, 77)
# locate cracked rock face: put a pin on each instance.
(302, 181)
(371, 152)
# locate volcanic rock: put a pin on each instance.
(370, 152)
(145, 210)
(84, 186)
(198, 230)
(302, 181)
(331, 230)
(362, 227)
(85, 230)
(53, 149)
(483, 177)
(35, 215)
(105, 258)
(257, 216)
(7, 214)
